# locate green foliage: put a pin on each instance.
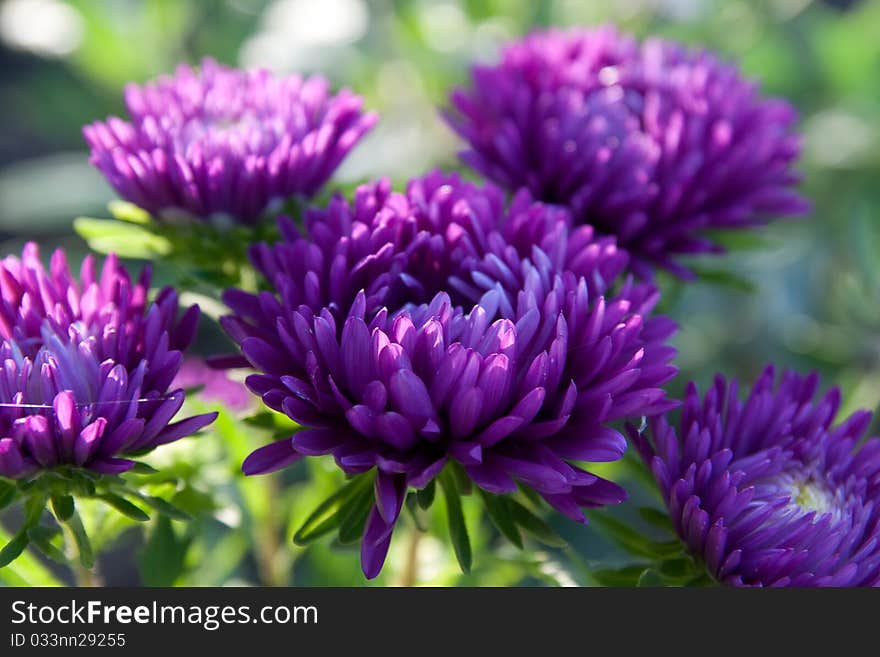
(458, 533)
(531, 523)
(341, 506)
(499, 510)
(196, 255)
(801, 293)
(60, 488)
(163, 558)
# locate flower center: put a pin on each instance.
(809, 495)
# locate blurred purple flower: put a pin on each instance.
(215, 384)
(766, 492)
(408, 332)
(650, 142)
(220, 141)
(86, 366)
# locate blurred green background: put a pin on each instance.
(801, 293)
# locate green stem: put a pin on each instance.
(410, 574)
(268, 544)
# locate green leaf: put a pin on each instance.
(626, 576)
(192, 501)
(83, 544)
(162, 560)
(8, 494)
(166, 508)
(458, 532)
(679, 571)
(501, 517)
(412, 506)
(27, 570)
(124, 507)
(127, 240)
(426, 495)
(724, 279)
(633, 541)
(703, 579)
(650, 578)
(263, 420)
(462, 481)
(13, 549)
(353, 516)
(535, 526)
(532, 496)
(742, 240)
(141, 468)
(656, 518)
(326, 517)
(125, 211)
(63, 506)
(34, 506)
(41, 537)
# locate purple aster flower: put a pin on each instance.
(650, 142)
(219, 141)
(409, 332)
(767, 492)
(86, 366)
(405, 247)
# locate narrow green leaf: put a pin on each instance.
(34, 506)
(166, 508)
(326, 517)
(125, 239)
(163, 559)
(83, 544)
(656, 518)
(415, 511)
(63, 506)
(703, 579)
(27, 570)
(458, 532)
(426, 495)
(8, 494)
(41, 537)
(535, 526)
(633, 541)
(124, 507)
(724, 279)
(125, 211)
(679, 571)
(13, 549)
(532, 496)
(626, 576)
(501, 516)
(262, 420)
(742, 240)
(141, 468)
(193, 501)
(462, 481)
(354, 514)
(650, 578)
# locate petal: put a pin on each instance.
(271, 457)
(185, 427)
(390, 490)
(374, 545)
(315, 442)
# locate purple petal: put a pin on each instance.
(271, 457)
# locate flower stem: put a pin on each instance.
(410, 574)
(267, 542)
